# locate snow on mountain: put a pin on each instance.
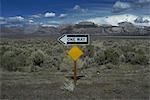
(141, 20)
(115, 19)
(48, 25)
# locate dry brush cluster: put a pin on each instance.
(31, 55)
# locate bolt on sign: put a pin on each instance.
(75, 52)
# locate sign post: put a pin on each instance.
(75, 73)
(75, 52)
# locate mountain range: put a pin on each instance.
(118, 25)
(84, 27)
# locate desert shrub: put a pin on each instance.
(112, 55)
(88, 62)
(136, 58)
(80, 64)
(108, 43)
(13, 62)
(3, 49)
(126, 47)
(142, 59)
(66, 64)
(100, 57)
(130, 57)
(23, 62)
(38, 58)
(89, 51)
(17, 50)
(52, 62)
(122, 58)
(57, 50)
(9, 62)
(140, 50)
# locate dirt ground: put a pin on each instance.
(44, 86)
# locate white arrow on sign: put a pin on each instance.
(70, 39)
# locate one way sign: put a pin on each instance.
(71, 39)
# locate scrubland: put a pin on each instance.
(35, 68)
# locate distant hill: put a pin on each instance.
(123, 29)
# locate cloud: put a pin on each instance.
(2, 20)
(121, 6)
(62, 15)
(31, 21)
(77, 8)
(16, 18)
(50, 14)
(143, 1)
(50, 24)
(35, 16)
(16, 21)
